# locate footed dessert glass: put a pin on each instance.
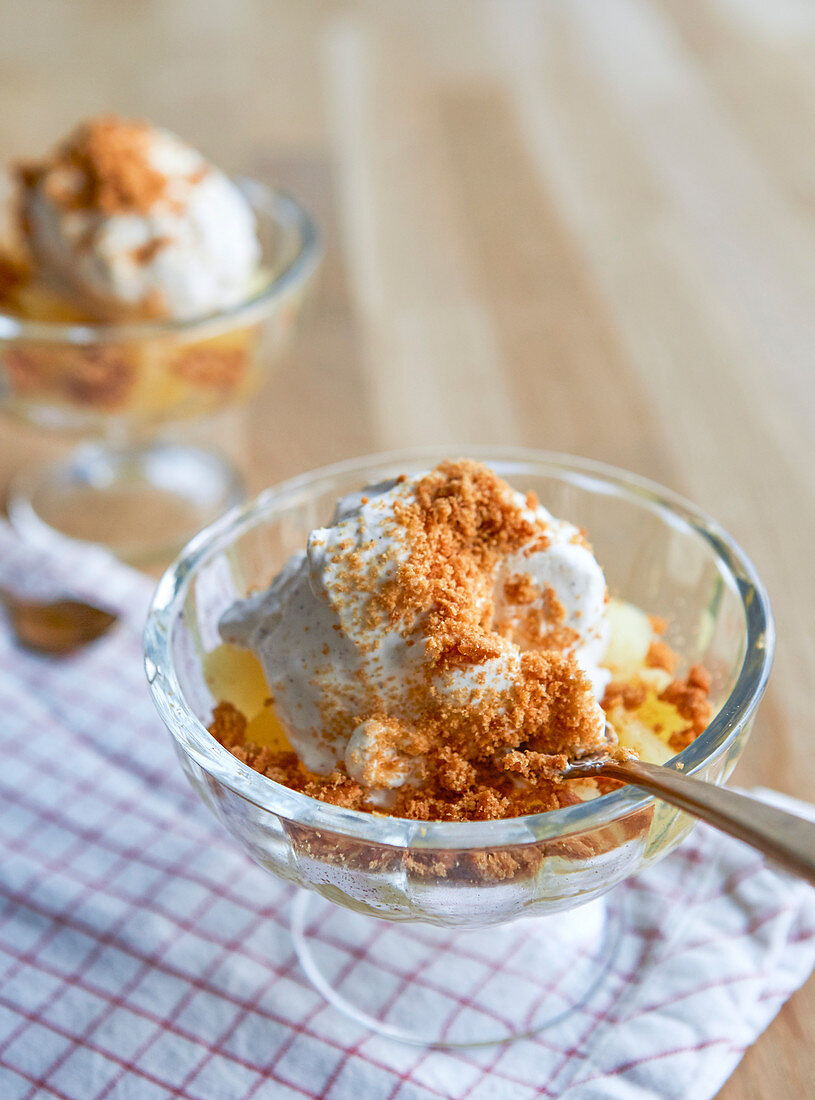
(429, 931)
(121, 386)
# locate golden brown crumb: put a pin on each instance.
(535, 765)
(519, 588)
(699, 677)
(634, 696)
(541, 623)
(149, 250)
(541, 542)
(682, 738)
(338, 789)
(658, 624)
(630, 696)
(553, 610)
(660, 655)
(453, 772)
(215, 367)
(113, 173)
(691, 698)
(613, 696)
(228, 725)
(101, 377)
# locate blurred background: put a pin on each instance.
(576, 225)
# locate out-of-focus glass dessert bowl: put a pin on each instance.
(124, 386)
(415, 895)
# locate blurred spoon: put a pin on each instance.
(783, 837)
(55, 627)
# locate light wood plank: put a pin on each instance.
(431, 353)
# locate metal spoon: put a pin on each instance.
(787, 839)
(57, 627)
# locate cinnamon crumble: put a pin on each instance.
(110, 169)
(457, 747)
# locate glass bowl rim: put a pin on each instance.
(282, 207)
(192, 737)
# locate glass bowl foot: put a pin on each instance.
(143, 502)
(454, 987)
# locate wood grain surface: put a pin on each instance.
(583, 225)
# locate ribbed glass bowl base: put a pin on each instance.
(453, 987)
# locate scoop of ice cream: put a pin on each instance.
(445, 613)
(128, 219)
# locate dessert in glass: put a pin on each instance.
(139, 287)
(389, 706)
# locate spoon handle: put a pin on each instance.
(783, 837)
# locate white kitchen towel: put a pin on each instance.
(143, 955)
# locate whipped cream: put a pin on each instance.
(128, 217)
(335, 661)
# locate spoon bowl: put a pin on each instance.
(56, 627)
(783, 837)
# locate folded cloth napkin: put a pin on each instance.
(143, 955)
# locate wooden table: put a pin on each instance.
(584, 225)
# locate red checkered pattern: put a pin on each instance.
(142, 955)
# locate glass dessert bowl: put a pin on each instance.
(123, 385)
(390, 901)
